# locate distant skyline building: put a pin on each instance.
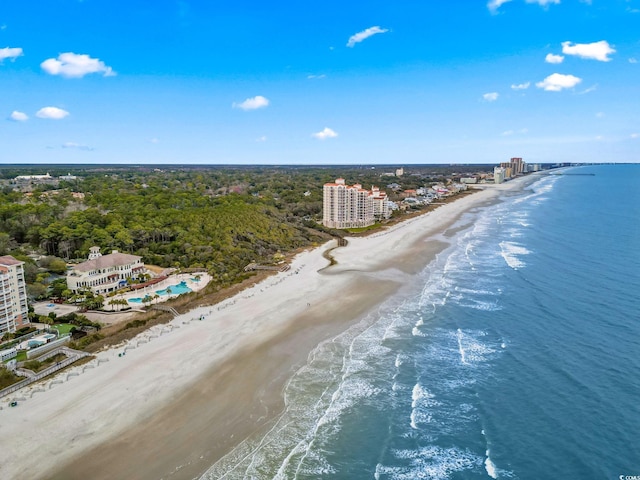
(517, 165)
(13, 295)
(351, 206)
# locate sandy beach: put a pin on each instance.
(184, 394)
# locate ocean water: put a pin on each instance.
(516, 355)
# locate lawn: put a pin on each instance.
(63, 328)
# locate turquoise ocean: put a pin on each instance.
(515, 354)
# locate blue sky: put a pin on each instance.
(245, 82)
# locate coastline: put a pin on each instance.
(183, 399)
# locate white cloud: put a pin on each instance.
(633, 60)
(593, 88)
(72, 65)
(316, 77)
(551, 58)
(263, 138)
(595, 51)
(635, 135)
(521, 86)
(252, 103)
(53, 113)
(364, 34)
(491, 97)
(17, 116)
(494, 5)
(544, 3)
(600, 115)
(522, 131)
(154, 140)
(324, 134)
(557, 82)
(77, 146)
(9, 52)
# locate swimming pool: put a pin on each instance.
(135, 300)
(178, 289)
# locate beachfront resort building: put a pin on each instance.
(13, 295)
(499, 174)
(104, 273)
(515, 166)
(351, 206)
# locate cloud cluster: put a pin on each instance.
(53, 113)
(364, 34)
(544, 3)
(521, 86)
(491, 97)
(252, 103)
(324, 134)
(9, 52)
(17, 116)
(594, 51)
(557, 82)
(72, 65)
(508, 133)
(494, 5)
(551, 58)
(77, 146)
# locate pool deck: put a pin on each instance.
(171, 281)
(44, 308)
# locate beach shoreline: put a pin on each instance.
(190, 391)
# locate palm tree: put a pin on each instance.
(147, 299)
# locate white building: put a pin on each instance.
(351, 206)
(381, 208)
(104, 273)
(34, 178)
(13, 295)
(499, 174)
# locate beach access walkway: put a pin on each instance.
(32, 377)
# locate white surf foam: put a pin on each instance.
(490, 467)
(511, 252)
(463, 353)
(429, 463)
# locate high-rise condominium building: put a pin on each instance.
(351, 206)
(13, 295)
